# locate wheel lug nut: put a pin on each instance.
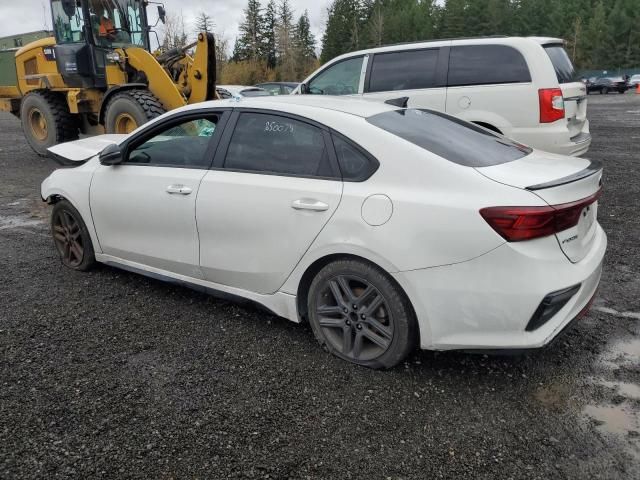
(348, 322)
(355, 307)
(363, 316)
(359, 327)
(345, 310)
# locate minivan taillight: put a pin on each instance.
(515, 224)
(551, 104)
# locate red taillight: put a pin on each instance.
(551, 104)
(515, 224)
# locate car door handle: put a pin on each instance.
(309, 204)
(179, 189)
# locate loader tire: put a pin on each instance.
(46, 120)
(127, 110)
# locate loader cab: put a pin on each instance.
(87, 32)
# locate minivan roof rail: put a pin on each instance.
(443, 40)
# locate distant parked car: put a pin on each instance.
(634, 81)
(279, 88)
(604, 85)
(239, 91)
(524, 88)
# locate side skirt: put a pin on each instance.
(279, 303)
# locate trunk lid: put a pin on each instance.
(558, 180)
(574, 92)
(79, 151)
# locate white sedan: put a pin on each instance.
(383, 227)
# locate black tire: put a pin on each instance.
(64, 234)
(46, 120)
(604, 91)
(339, 327)
(136, 106)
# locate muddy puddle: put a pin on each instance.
(18, 221)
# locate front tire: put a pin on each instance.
(46, 120)
(127, 110)
(358, 313)
(604, 91)
(71, 237)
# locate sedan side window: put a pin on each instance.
(264, 143)
(180, 145)
(343, 78)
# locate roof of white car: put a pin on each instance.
(303, 104)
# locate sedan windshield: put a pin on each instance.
(453, 139)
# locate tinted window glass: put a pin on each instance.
(280, 145)
(453, 139)
(343, 78)
(254, 92)
(486, 64)
(182, 145)
(403, 70)
(224, 94)
(354, 164)
(561, 63)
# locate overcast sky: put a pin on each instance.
(19, 16)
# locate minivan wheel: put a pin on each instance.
(359, 314)
(71, 237)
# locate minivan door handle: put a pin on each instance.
(179, 189)
(309, 204)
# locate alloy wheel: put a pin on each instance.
(354, 318)
(67, 235)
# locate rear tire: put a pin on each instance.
(130, 109)
(71, 237)
(358, 313)
(46, 120)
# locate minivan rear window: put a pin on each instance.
(561, 63)
(449, 137)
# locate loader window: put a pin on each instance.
(181, 145)
(68, 21)
(117, 23)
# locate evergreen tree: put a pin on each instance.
(304, 46)
(342, 33)
(249, 45)
(269, 34)
(204, 23)
(599, 38)
(453, 19)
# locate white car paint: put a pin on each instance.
(512, 108)
(239, 91)
(241, 233)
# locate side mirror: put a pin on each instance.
(304, 88)
(111, 155)
(162, 14)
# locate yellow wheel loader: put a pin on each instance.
(98, 75)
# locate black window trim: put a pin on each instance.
(440, 77)
(363, 55)
(374, 164)
(174, 120)
(223, 146)
(449, 85)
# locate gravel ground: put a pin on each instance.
(112, 375)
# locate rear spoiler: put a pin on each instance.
(594, 167)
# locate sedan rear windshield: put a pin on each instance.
(453, 139)
(561, 63)
(254, 92)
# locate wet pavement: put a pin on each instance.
(108, 374)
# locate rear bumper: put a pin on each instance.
(555, 138)
(487, 302)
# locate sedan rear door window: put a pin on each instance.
(274, 144)
(403, 70)
(486, 65)
(453, 139)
